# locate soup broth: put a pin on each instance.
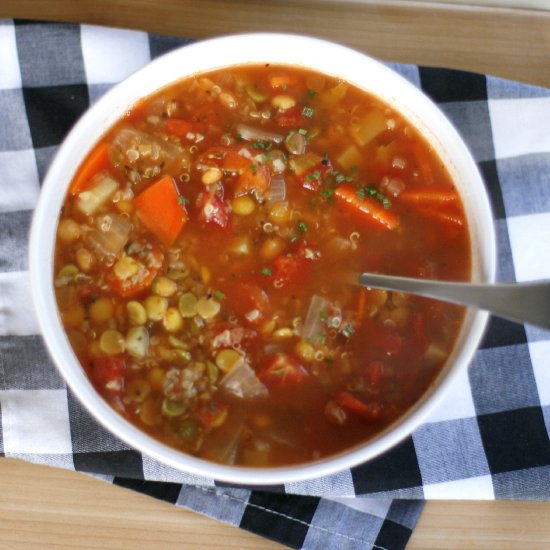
(207, 257)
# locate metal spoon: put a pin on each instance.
(519, 302)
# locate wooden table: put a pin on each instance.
(44, 508)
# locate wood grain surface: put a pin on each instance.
(512, 43)
(44, 508)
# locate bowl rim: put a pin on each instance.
(108, 109)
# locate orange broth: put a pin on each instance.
(206, 258)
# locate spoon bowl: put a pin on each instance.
(519, 302)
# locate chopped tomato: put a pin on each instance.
(212, 414)
(290, 271)
(372, 373)
(367, 411)
(314, 177)
(161, 209)
(283, 371)
(181, 128)
(256, 179)
(390, 341)
(248, 299)
(289, 118)
(86, 291)
(149, 263)
(213, 211)
(311, 169)
(108, 372)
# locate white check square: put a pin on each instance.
(530, 243)
(540, 359)
(35, 422)
(458, 403)
(10, 75)
(110, 55)
(19, 169)
(474, 488)
(520, 126)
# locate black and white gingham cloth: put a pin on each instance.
(489, 439)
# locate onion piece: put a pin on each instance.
(248, 133)
(102, 188)
(223, 445)
(314, 326)
(277, 190)
(242, 382)
(110, 236)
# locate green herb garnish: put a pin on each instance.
(302, 227)
(266, 272)
(219, 295)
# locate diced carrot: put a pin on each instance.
(227, 159)
(373, 210)
(422, 161)
(161, 209)
(96, 162)
(256, 178)
(427, 196)
(362, 303)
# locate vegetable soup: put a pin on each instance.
(207, 257)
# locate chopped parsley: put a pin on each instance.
(311, 93)
(327, 193)
(266, 272)
(253, 168)
(373, 193)
(302, 131)
(302, 227)
(219, 295)
(348, 331)
(264, 145)
(239, 137)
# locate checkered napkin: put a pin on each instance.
(488, 440)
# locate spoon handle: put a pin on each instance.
(520, 302)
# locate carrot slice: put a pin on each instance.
(428, 196)
(367, 411)
(96, 162)
(362, 303)
(446, 216)
(258, 180)
(161, 209)
(371, 208)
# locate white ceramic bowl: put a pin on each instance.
(323, 56)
